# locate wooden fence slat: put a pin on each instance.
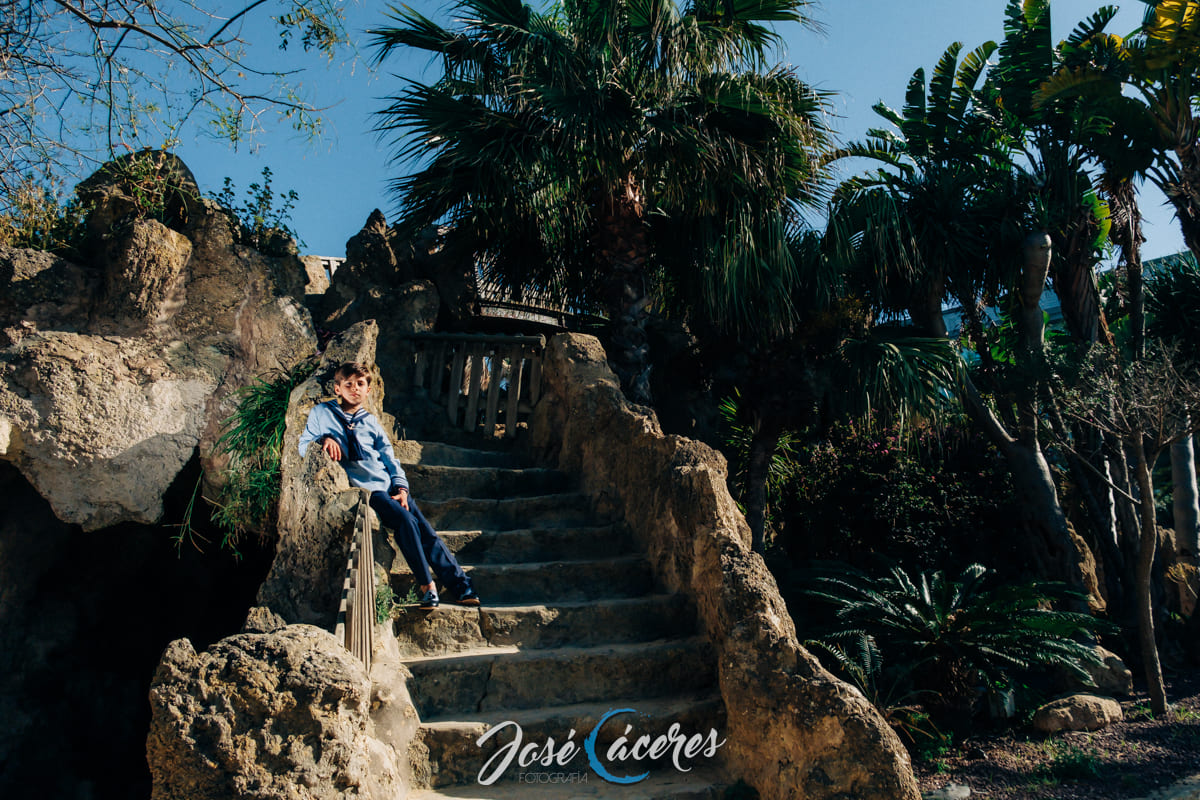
(456, 380)
(437, 372)
(471, 418)
(420, 368)
(493, 395)
(535, 378)
(515, 363)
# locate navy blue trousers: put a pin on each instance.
(419, 543)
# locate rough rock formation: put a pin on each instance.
(794, 731)
(284, 710)
(1110, 676)
(406, 287)
(1079, 712)
(317, 504)
(283, 714)
(113, 372)
(374, 277)
(317, 279)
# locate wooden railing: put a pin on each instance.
(356, 616)
(478, 377)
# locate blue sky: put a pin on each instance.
(867, 53)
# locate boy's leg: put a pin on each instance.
(407, 533)
(437, 555)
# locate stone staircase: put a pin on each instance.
(572, 628)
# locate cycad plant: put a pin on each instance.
(949, 638)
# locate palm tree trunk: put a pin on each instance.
(622, 251)
(758, 472)
(1127, 233)
(1145, 564)
(1185, 498)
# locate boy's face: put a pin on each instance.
(352, 390)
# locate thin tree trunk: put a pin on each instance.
(1145, 564)
(758, 472)
(1039, 501)
(1185, 498)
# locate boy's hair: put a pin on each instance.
(351, 369)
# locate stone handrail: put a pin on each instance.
(463, 372)
(793, 730)
(355, 627)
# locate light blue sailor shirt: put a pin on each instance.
(378, 469)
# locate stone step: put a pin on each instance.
(554, 581)
(456, 757)
(447, 455)
(499, 679)
(538, 544)
(580, 783)
(542, 511)
(431, 482)
(454, 628)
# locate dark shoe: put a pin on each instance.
(429, 601)
(468, 598)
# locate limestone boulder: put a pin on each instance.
(144, 275)
(284, 714)
(115, 373)
(1108, 675)
(42, 292)
(793, 730)
(1079, 712)
(101, 426)
(148, 183)
(317, 279)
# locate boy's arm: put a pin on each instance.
(388, 456)
(315, 429)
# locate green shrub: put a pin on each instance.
(929, 498)
(946, 640)
(259, 218)
(253, 439)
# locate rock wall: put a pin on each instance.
(113, 372)
(794, 731)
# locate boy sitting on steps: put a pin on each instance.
(352, 436)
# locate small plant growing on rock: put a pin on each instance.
(385, 603)
(261, 221)
(253, 439)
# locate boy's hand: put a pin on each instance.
(332, 449)
(401, 497)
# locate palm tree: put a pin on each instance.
(953, 216)
(564, 148)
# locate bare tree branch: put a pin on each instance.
(80, 79)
